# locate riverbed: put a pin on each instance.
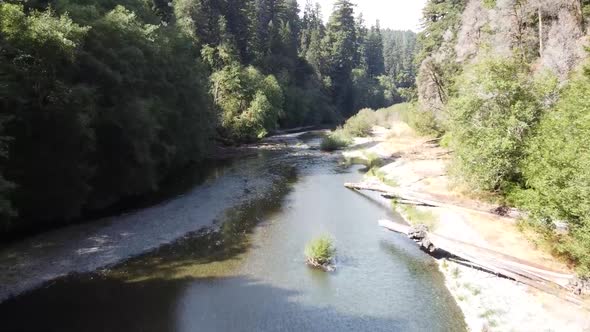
(227, 255)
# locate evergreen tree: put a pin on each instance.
(374, 52)
(399, 48)
(339, 49)
(102, 101)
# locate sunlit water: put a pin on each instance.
(249, 274)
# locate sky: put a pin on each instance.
(394, 14)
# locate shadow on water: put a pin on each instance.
(212, 251)
(176, 305)
(142, 294)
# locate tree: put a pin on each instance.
(490, 119)
(250, 102)
(311, 25)
(51, 143)
(97, 112)
(339, 50)
(557, 172)
(374, 52)
(399, 48)
(104, 101)
(439, 17)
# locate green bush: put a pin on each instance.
(386, 116)
(423, 122)
(336, 140)
(490, 118)
(557, 172)
(320, 251)
(361, 124)
(250, 103)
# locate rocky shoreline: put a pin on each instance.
(32, 262)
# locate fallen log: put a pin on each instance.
(292, 130)
(536, 276)
(409, 197)
(542, 272)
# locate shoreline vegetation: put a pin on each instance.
(102, 102)
(411, 161)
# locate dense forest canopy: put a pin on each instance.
(102, 100)
(506, 83)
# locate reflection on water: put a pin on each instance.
(211, 252)
(248, 274)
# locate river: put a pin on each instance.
(247, 272)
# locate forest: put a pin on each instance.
(105, 100)
(506, 85)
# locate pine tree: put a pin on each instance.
(374, 52)
(339, 49)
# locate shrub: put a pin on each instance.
(335, 141)
(386, 116)
(557, 173)
(424, 122)
(490, 119)
(360, 125)
(320, 251)
(250, 103)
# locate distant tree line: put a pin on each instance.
(103, 100)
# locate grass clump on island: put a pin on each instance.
(320, 253)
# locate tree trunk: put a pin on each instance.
(540, 33)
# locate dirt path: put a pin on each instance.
(488, 302)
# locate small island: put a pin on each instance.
(320, 253)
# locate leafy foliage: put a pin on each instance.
(491, 117)
(361, 124)
(422, 121)
(512, 129)
(557, 172)
(91, 121)
(320, 251)
(336, 140)
(250, 103)
(103, 101)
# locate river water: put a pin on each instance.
(248, 272)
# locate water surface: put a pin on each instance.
(249, 274)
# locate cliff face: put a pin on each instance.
(548, 34)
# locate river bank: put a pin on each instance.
(248, 272)
(489, 303)
(81, 248)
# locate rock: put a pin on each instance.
(419, 234)
(580, 286)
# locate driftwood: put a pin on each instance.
(413, 198)
(292, 130)
(534, 275)
(326, 267)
